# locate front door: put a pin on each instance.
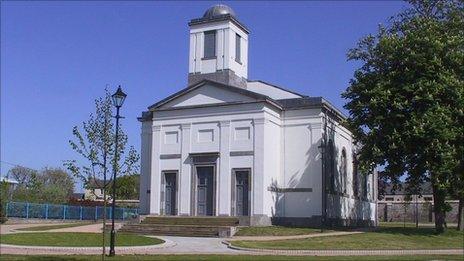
(170, 192)
(205, 176)
(241, 192)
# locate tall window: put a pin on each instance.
(331, 164)
(210, 44)
(365, 186)
(355, 176)
(238, 48)
(344, 172)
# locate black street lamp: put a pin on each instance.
(118, 99)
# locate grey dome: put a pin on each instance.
(218, 10)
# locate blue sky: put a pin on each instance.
(57, 57)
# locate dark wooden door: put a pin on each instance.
(241, 193)
(170, 192)
(205, 190)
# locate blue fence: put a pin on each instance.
(51, 211)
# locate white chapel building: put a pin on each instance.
(229, 146)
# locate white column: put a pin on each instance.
(155, 182)
(185, 172)
(258, 167)
(224, 174)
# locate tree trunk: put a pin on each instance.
(439, 203)
(104, 222)
(461, 214)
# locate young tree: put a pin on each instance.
(95, 145)
(406, 100)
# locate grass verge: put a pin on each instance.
(275, 231)
(65, 239)
(50, 227)
(383, 238)
(229, 258)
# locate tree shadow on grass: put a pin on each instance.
(408, 231)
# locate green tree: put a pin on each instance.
(50, 185)
(56, 184)
(95, 146)
(22, 174)
(127, 187)
(406, 99)
(4, 193)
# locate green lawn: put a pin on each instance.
(383, 238)
(275, 231)
(49, 227)
(228, 258)
(66, 239)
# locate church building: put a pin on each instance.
(226, 145)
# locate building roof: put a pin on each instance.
(219, 13)
(78, 195)
(218, 10)
(8, 180)
(305, 102)
(194, 86)
(278, 87)
(97, 183)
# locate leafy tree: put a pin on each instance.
(127, 187)
(4, 191)
(50, 185)
(56, 184)
(95, 146)
(406, 100)
(22, 174)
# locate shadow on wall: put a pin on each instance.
(296, 206)
(297, 201)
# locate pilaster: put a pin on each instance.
(258, 167)
(155, 182)
(224, 174)
(185, 171)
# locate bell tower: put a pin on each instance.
(218, 48)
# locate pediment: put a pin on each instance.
(207, 93)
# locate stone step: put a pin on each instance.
(177, 230)
(199, 221)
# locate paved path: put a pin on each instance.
(90, 228)
(196, 245)
(271, 238)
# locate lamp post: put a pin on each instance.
(118, 99)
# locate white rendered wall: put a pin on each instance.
(225, 49)
(272, 164)
(204, 130)
(302, 163)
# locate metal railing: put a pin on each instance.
(53, 211)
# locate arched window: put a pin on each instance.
(343, 172)
(331, 164)
(355, 176)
